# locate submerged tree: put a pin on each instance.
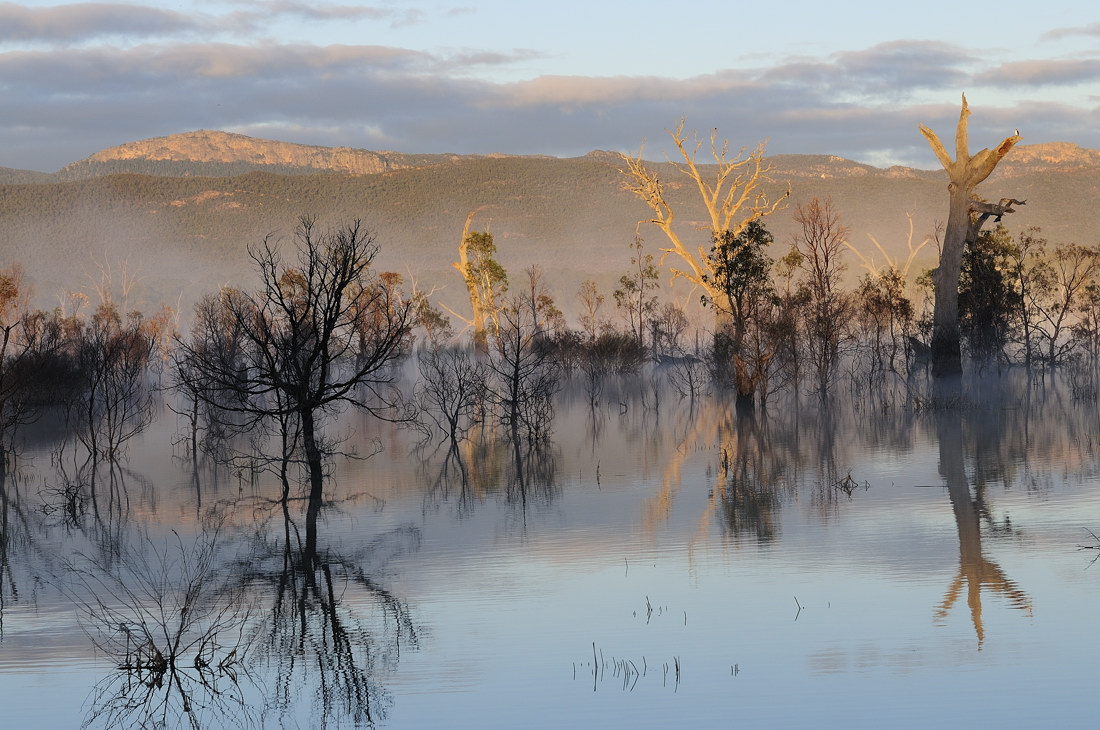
(115, 399)
(733, 197)
(741, 269)
(319, 334)
(965, 219)
(821, 241)
(524, 372)
(486, 280)
(591, 300)
(634, 295)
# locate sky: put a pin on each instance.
(852, 79)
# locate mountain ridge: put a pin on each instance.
(189, 232)
(215, 153)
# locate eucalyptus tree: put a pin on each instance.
(965, 219)
(486, 280)
(990, 298)
(634, 296)
(732, 190)
(741, 281)
(319, 334)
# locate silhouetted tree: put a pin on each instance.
(989, 301)
(319, 334)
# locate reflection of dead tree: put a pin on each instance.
(18, 534)
(94, 497)
(532, 473)
(449, 475)
(976, 571)
(175, 628)
(332, 628)
(751, 474)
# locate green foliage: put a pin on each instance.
(988, 296)
(633, 296)
(741, 266)
(483, 266)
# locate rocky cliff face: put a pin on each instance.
(1062, 156)
(195, 152)
(222, 147)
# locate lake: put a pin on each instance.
(912, 561)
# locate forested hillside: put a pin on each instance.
(184, 235)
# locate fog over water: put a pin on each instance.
(910, 561)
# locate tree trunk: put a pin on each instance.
(965, 172)
(746, 385)
(313, 456)
(946, 347)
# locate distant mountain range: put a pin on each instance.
(179, 211)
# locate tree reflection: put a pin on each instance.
(532, 472)
(19, 528)
(749, 479)
(976, 572)
(332, 629)
(175, 627)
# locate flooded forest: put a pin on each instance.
(324, 500)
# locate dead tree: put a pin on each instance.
(320, 333)
(964, 221)
(734, 197)
(732, 190)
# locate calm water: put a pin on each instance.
(865, 566)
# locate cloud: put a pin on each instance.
(88, 21)
(265, 10)
(865, 104)
(1058, 34)
(1042, 73)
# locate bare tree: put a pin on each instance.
(316, 336)
(115, 401)
(964, 221)
(525, 374)
(1051, 286)
(16, 351)
(591, 301)
(734, 197)
(450, 393)
(828, 308)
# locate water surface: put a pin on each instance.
(909, 564)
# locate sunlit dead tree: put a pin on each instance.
(731, 189)
(965, 219)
